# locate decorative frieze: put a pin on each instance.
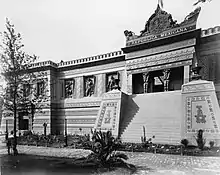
(155, 50)
(195, 87)
(82, 104)
(81, 121)
(42, 112)
(166, 66)
(165, 58)
(41, 121)
(90, 112)
(114, 94)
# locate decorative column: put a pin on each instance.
(129, 84)
(166, 74)
(145, 78)
(186, 74)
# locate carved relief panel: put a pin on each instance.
(112, 81)
(69, 88)
(89, 85)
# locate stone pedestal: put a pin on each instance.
(111, 112)
(200, 111)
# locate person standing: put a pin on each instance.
(10, 142)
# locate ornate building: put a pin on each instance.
(150, 69)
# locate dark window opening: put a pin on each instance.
(158, 81)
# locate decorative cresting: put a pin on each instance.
(78, 61)
(161, 25)
(200, 111)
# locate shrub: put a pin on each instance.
(184, 142)
(26, 133)
(104, 148)
(200, 139)
(211, 144)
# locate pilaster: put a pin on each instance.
(129, 84)
(186, 74)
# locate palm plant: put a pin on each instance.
(105, 148)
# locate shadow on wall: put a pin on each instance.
(218, 97)
(130, 110)
(57, 121)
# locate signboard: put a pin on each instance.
(165, 34)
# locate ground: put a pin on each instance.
(37, 160)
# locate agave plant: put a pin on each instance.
(105, 148)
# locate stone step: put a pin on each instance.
(157, 113)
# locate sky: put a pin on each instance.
(71, 29)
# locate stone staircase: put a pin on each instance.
(159, 113)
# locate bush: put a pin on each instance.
(200, 140)
(184, 142)
(26, 133)
(211, 144)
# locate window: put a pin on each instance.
(26, 90)
(40, 88)
(69, 87)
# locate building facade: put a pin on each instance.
(150, 69)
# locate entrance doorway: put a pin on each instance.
(138, 82)
(23, 121)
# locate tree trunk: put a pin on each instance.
(15, 123)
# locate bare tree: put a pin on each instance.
(21, 92)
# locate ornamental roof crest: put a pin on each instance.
(161, 21)
(158, 22)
